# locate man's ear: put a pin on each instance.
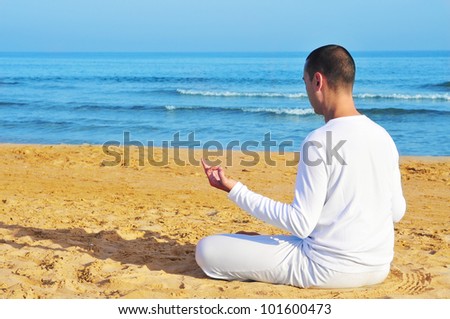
(318, 80)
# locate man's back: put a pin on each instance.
(357, 184)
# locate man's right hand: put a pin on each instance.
(217, 178)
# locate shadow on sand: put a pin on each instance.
(153, 250)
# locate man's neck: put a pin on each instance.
(340, 106)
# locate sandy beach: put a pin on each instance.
(73, 227)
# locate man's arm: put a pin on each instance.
(299, 218)
(302, 215)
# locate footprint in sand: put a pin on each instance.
(413, 282)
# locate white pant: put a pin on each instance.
(274, 259)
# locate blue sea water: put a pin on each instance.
(76, 98)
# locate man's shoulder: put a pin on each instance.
(349, 128)
(333, 125)
(349, 124)
(377, 129)
(316, 134)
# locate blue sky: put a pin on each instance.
(227, 25)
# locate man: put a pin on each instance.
(347, 197)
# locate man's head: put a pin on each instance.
(333, 62)
(329, 75)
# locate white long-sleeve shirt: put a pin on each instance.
(344, 204)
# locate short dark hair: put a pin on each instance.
(335, 63)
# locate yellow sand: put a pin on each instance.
(71, 227)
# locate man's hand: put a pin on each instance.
(217, 178)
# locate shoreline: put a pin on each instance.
(197, 150)
(73, 228)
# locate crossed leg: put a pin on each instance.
(275, 259)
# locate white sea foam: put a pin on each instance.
(242, 94)
(288, 111)
(280, 111)
(395, 96)
(173, 107)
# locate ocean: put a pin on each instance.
(213, 99)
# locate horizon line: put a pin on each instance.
(221, 52)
